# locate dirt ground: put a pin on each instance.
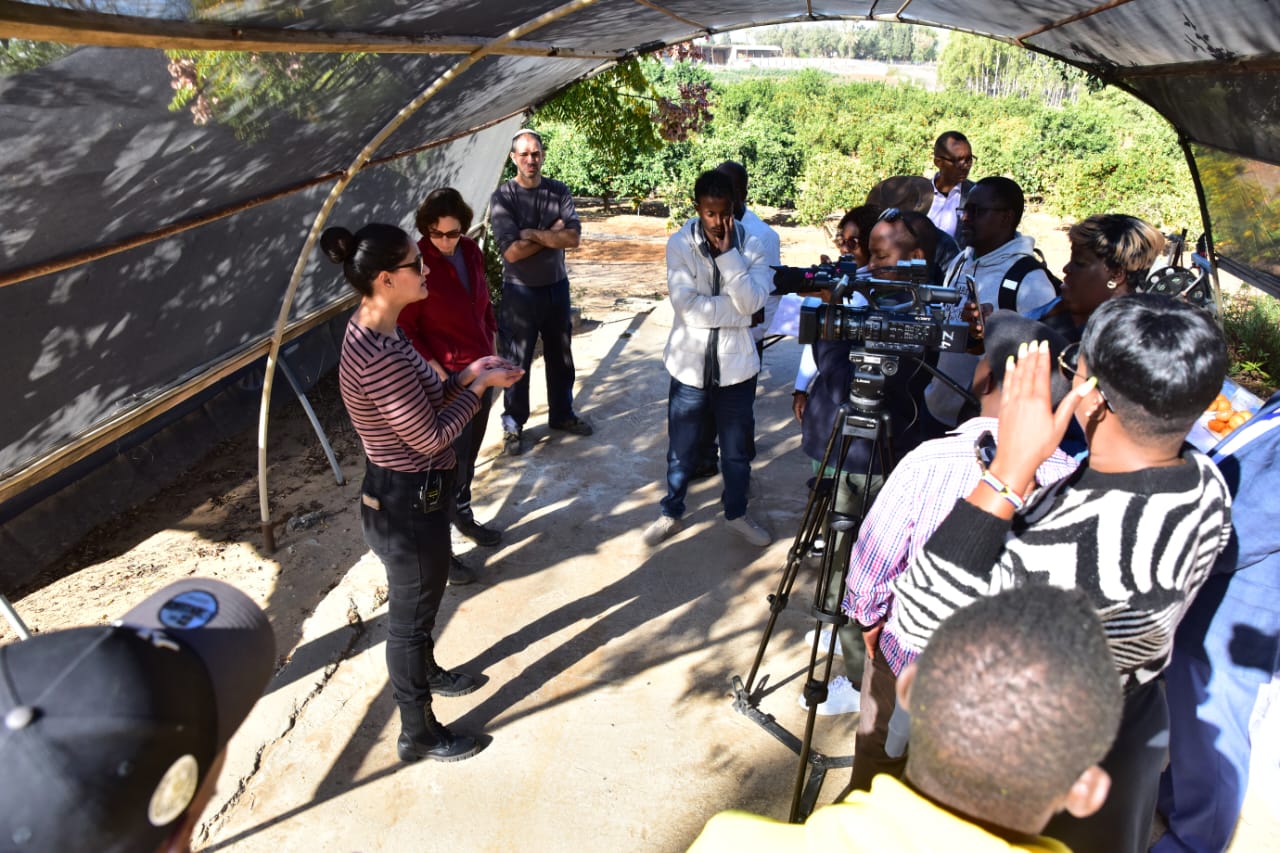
(608, 684)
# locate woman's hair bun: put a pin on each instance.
(338, 244)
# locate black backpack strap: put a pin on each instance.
(1013, 276)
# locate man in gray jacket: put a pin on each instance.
(1005, 271)
(717, 277)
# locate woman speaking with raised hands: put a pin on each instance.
(407, 416)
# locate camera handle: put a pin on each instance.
(864, 418)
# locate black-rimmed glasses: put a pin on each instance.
(957, 161)
(971, 210)
(1067, 361)
(416, 264)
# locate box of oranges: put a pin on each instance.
(1229, 410)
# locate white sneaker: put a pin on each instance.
(826, 641)
(842, 698)
(661, 530)
(746, 527)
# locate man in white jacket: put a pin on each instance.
(1004, 269)
(717, 277)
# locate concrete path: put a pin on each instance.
(608, 664)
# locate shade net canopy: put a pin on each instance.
(146, 244)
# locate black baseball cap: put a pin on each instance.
(107, 733)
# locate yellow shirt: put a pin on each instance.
(890, 819)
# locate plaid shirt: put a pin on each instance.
(918, 495)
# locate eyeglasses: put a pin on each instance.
(1067, 361)
(416, 264)
(893, 214)
(969, 211)
(957, 161)
(444, 235)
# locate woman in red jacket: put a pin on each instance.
(453, 328)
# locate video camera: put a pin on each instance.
(901, 314)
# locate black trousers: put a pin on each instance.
(527, 313)
(413, 546)
(1123, 824)
(467, 448)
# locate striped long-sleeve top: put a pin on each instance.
(405, 416)
(1139, 544)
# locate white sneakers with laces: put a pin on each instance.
(661, 530)
(842, 698)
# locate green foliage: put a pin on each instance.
(831, 182)
(880, 41)
(1252, 325)
(492, 268)
(990, 67)
(1246, 207)
(819, 143)
(238, 89)
(18, 55)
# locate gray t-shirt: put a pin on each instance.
(513, 208)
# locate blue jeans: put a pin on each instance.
(732, 408)
(526, 313)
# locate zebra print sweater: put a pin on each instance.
(1139, 544)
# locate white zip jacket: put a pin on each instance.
(988, 274)
(745, 282)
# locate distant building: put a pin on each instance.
(733, 54)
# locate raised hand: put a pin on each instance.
(1030, 428)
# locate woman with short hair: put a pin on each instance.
(454, 328)
(1111, 255)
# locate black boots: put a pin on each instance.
(423, 736)
(445, 683)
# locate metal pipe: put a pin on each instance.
(1210, 254)
(361, 159)
(68, 26)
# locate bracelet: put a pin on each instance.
(798, 391)
(1002, 490)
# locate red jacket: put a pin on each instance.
(452, 326)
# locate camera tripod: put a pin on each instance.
(862, 416)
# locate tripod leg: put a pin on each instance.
(816, 511)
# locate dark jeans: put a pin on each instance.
(414, 547)
(526, 313)
(733, 410)
(1123, 824)
(467, 448)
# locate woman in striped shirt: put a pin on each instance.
(407, 415)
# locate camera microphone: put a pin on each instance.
(938, 295)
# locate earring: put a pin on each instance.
(1113, 284)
